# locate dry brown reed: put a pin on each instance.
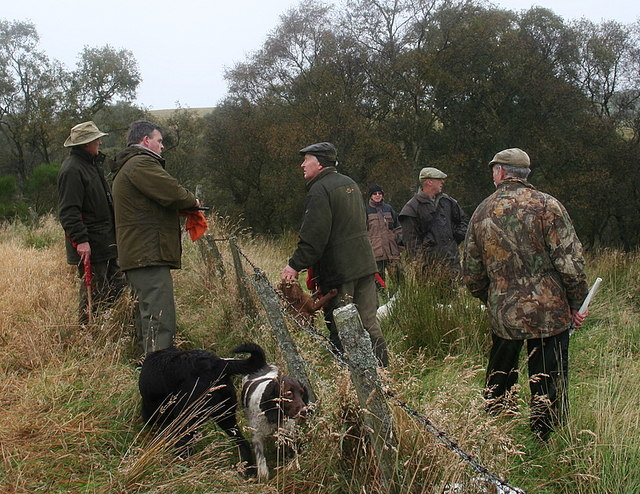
(70, 406)
(36, 291)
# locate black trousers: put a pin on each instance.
(548, 366)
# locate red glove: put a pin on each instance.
(380, 281)
(311, 282)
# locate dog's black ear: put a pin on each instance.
(270, 403)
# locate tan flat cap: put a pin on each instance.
(512, 157)
(430, 172)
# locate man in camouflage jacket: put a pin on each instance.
(523, 259)
(333, 241)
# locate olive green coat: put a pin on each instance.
(333, 236)
(84, 205)
(147, 200)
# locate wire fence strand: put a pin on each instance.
(286, 308)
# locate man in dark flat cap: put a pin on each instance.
(333, 241)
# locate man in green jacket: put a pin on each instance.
(86, 214)
(433, 224)
(333, 241)
(147, 201)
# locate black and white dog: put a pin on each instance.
(272, 403)
(185, 387)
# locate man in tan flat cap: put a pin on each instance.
(523, 259)
(433, 224)
(86, 214)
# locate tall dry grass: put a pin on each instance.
(70, 407)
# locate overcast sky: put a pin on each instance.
(183, 47)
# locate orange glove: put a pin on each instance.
(196, 224)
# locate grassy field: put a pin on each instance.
(70, 419)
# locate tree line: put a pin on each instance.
(396, 85)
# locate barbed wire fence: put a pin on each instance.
(274, 302)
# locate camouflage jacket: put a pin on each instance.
(522, 257)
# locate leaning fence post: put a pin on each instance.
(245, 297)
(362, 365)
(295, 364)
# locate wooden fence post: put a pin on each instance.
(212, 256)
(362, 365)
(245, 296)
(295, 363)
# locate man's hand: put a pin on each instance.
(288, 273)
(577, 319)
(84, 251)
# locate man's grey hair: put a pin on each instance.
(139, 129)
(515, 171)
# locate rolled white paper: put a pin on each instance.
(592, 292)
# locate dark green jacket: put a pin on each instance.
(433, 228)
(85, 206)
(146, 202)
(333, 235)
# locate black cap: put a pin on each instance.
(321, 150)
(375, 188)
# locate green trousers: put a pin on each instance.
(155, 308)
(363, 293)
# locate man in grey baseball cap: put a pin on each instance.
(433, 224)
